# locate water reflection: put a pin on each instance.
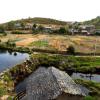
(92, 77)
(9, 59)
(3, 51)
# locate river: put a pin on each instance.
(10, 59)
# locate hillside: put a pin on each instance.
(95, 21)
(45, 21)
(38, 20)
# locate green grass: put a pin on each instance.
(91, 61)
(90, 98)
(81, 64)
(40, 44)
(94, 87)
(3, 91)
(18, 39)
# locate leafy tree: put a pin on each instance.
(34, 26)
(22, 25)
(10, 25)
(62, 30)
(71, 50)
(3, 91)
(40, 28)
(2, 30)
(9, 43)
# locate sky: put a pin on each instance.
(66, 10)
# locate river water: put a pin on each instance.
(10, 59)
(91, 77)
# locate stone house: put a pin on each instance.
(88, 29)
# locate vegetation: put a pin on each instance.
(17, 32)
(92, 86)
(40, 43)
(44, 21)
(11, 25)
(95, 21)
(62, 30)
(11, 46)
(81, 64)
(3, 91)
(90, 98)
(2, 30)
(12, 77)
(71, 50)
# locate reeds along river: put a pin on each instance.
(10, 59)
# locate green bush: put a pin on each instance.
(17, 32)
(3, 91)
(71, 50)
(89, 98)
(9, 98)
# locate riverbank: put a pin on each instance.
(16, 49)
(12, 77)
(68, 63)
(92, 86)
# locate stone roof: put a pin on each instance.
(49, 83)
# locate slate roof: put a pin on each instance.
(49, 83)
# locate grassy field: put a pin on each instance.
(85, 44)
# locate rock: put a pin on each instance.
(47, 84)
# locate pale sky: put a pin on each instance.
(67, 10)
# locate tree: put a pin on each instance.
(34, 28)
(2, 29)
(71, 50)
(62, 30)
(10, 25)
(22, 25)
(40, 28)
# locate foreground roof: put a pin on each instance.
(45, 84)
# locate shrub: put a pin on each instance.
(3, 91)
(71, 50)
(9, 98)
(17, 32)
(2, 29)
(89, 98)
(62, 30)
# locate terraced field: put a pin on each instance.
(86, 44)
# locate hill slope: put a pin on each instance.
(95, 21)
(38, 20)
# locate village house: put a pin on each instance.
(47, 29)
(83, 30)
(28, 25)
(87, 29)
(18, 26)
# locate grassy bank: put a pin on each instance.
(16, 49)
(18, 73)
(80, 64)
(92, 86)
(10, 78)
